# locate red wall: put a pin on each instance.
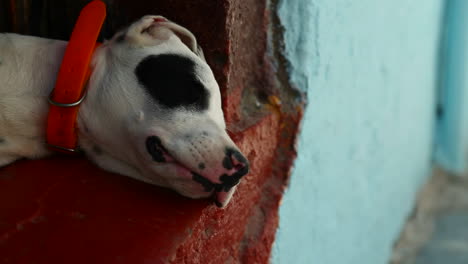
(65, 210)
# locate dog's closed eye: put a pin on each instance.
(156, 149)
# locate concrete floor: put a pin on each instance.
(449, 242)
(437, 230)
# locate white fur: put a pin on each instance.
(117, 115)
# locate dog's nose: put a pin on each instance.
(237, 165)
(234, 160)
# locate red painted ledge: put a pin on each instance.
(65, 210)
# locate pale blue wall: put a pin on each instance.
(452, 126)
(366, 144)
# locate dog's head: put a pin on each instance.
(153, 112)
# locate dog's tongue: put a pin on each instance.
(222, 198)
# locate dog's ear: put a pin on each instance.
(200, 53)
(187, 38)
(150, 30)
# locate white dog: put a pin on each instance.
(152, 109)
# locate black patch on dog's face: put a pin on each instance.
(170, 79)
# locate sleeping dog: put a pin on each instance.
(152, 110)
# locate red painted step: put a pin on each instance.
(65, 210)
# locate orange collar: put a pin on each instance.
(72, 78)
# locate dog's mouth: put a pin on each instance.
(220, 192)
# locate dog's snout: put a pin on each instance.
(232, 167)
(236, 166)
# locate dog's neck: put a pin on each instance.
(28, 70)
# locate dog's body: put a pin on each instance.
(28, 69)
(152, 110)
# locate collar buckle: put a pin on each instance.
(66, 105)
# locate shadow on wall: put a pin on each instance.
(451, 140)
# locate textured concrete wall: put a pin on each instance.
(369, 68)
(452, 126)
